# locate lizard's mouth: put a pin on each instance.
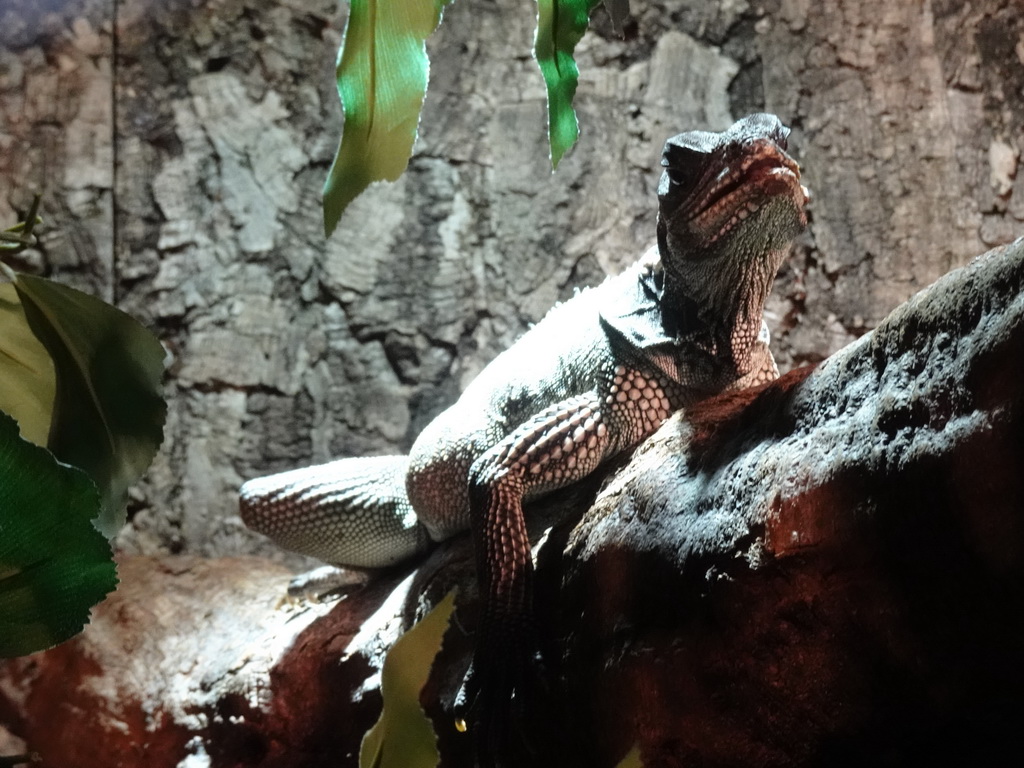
(763, 175)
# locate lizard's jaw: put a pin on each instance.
(765, 176)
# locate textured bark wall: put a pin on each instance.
(56, 113)
(911, 115)
(184, 146)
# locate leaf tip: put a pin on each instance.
(331, 219)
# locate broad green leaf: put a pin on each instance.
(403, 736)
(54, 565)
(560, 26)
(108, 414)
(382, 80)
(27, 379)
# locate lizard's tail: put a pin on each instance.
(350, 512)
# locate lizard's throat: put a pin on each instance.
(720, 304)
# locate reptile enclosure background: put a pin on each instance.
(182, 148)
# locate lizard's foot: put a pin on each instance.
(325, 582)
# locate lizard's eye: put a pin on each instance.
(678, 176)
(682, 165)
(782, 138)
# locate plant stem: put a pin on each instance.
(21, 233)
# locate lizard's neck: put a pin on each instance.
(717, 304)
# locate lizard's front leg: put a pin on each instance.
(559, 446)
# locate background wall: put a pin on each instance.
(181, 147)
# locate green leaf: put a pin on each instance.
(403, 736)
(108, 414)
(54, 565)
(382, 80)
(560, 26)
(632, 759)
(27, 379)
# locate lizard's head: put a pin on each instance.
(729, 204)
(734, 193)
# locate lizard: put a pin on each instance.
(592, 379)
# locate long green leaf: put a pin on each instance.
(54, 565)
(27, 379)
(560, 26)
(403, 736)
(108, 413)
(382, 79)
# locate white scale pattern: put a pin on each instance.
(566, 442)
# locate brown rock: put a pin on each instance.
(825, 571)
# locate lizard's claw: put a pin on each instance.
(462, 709)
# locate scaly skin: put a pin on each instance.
(595, 377)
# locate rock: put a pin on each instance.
(826, 571)
(197, 662)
